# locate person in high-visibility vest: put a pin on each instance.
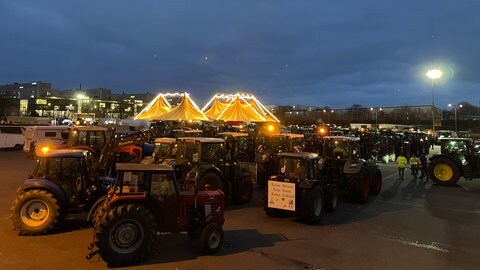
(414, 165)
(402, 164)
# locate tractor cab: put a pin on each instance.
(68, 169)
(239, 144)
(341, 148)
(164, 151)
(88, 138)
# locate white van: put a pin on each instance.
(11, 137)
(48, 135)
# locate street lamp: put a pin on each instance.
(455, 106)
(433, 74)
(376, 115)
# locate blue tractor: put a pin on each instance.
(64, 180)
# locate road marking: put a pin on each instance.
(432, 246)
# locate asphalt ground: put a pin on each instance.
(411, 224)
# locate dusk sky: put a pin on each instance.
(319, 53)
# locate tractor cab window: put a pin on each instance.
(162, 150)
(337, 149)
(162, 185)
(97, 139)
(133, 182)
(212, 152)
(82, 138)
(54, 167)
(294, 168)
(455, 147)
(70, 167)
(186, 151)
(40, 168)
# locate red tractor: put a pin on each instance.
(146, 200)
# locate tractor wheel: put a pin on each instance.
(271, 212)
(242, 191)
(311, 205)
(361, 186)
(35, 212)
(211, 179)
(444, 171)
(98, 210)
(331, 199)
(211, 238)
(376, 182)
(125, 234)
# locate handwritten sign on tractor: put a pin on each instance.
(281, 195)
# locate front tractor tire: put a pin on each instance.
(331, 198)
(211, 238)
(376, 182)
(311, 210)
(125, 234)
(444, 171)
(35, 212)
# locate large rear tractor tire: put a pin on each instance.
(125, 234)
(212, 179)
(242, 191)
(35, 212)
(311, 205)
(444, 171)
(376, 182)
(211, 238)
(331, 198)
(98, 210)
(361, 186)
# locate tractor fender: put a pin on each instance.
(308, 184)
(210, 168)
(94, 207)
(354, 166)
(48, 185)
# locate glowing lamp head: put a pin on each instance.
(270, 128)
(434, 74)
(45, 149)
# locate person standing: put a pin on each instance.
(402, 164)
(414, 165)
(423, 166)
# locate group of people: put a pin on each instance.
(416, 164)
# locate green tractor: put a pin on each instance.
(341, 164)
(459, 157)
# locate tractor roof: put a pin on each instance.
(202, 140)
(342, 138)
(60, 153)
(302, 155)
(165, 140)
(234, 134)
(188, 131)
(89, 128)
(143, 167)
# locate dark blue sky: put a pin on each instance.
(321, 53)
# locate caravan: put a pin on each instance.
(48, 135)
(11, 137)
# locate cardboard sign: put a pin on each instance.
(281, 195)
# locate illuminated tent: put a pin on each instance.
(216, 109)
(269, 117)
(238, 110)
(187, 110)
(155, 109)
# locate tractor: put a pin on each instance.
(341, 164)
(63, 181)
(269, 146)
(164, 151)
(146, 200)
(459, 157)
(299, 188)
(215, 168)
(242, 145)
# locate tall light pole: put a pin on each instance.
(376, 115)
(433, 74)
(455, 106)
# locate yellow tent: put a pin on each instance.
(268, 116)
(157, 107)
(216, 109)
(187, 110)
(240, 111)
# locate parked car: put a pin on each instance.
(11, 137)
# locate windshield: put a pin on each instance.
(164, 150)
(337, 149)
(293, 167)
